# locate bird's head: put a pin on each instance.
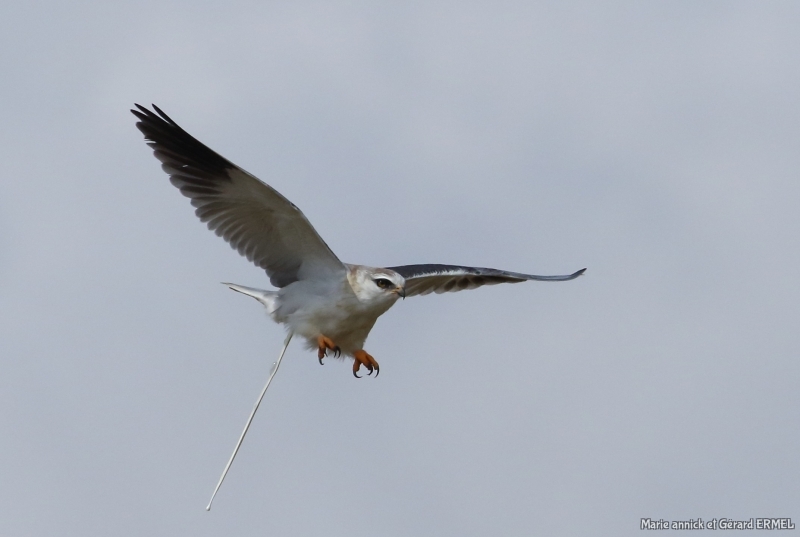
(376, 284)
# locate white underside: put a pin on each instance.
(311, 308)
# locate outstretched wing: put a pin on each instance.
(254, 218)
(424, 279)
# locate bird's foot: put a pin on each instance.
(325, 343)
(362, 358)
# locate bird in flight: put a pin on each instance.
(332, 305)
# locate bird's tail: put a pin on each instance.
(268, 298)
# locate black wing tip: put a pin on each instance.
(572, 276)
(182, 149)
(142, 112)
(145, 114)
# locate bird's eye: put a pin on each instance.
(383, 283)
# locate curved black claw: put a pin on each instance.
(320, 361)
(377, 370)
(356, 375)
(337, 352)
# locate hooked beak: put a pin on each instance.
(401, 291)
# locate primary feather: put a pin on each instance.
(254, 218)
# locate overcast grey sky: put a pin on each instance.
(655, 143)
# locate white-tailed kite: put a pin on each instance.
(332, 305)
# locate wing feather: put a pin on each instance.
(433, 278)
(254, 218)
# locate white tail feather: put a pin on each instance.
(265, 297)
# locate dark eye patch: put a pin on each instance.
(383, 283)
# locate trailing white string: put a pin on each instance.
(275, 367)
